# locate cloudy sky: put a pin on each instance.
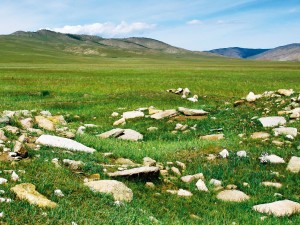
(191, 24)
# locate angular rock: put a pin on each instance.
(4, 120)
(190, 178)
(132, 114)
(164, 114)
(294, 165)
(119, 190)
(278, 208)
(58, 120)
(72, 164)
(260, 135)
(224, 153)
(175, 171)
(59, 142)
(27, 192)
(201, 186)
(192, 112)
(152, 110)
(285, 131)
(241, 154)
(20, 150)
(121, 121)
(2, 136)
(286, 92)
(131, 135)
(212, 137)
(45, 123)
(272, 121)
(112, 133)
(184, 193)
(274, 159)
(11, 129)
(145, 170)
(251, 97)
(232, 196)
(147, 161)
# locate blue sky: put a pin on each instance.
(195, 25)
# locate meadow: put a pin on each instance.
(94, 87)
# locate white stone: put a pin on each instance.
(272, 159)
(59, 142)
(224, 153)
(81, 130)
(286, 92)
(278, 208)
(216, 183)
(232, 196)
(149, 170)
(285, 131)
(184, 193)
(190, 178)
(132, 114)
(115, 114)
(201, 186)
(294, 165)
(119, 190)
(251, 97)
(14, 176)
(193, 99)
(272, 121)
(3, 180)
(271, 184)
(175, 170)
(58, 193)
(186, 92)
(112, 133)
(241, 153)
(45, 123)
(131, 135)
(121, 121)
(192, 112)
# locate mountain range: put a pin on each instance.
(46, 45)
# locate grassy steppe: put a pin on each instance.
(94, 87)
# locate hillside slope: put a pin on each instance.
(236, 52)
(284, 53)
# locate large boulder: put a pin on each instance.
(192, 112)
(27, 192)
(65, 143)
(119, 190)
(140, 171)
(278, 208)
(272, 121)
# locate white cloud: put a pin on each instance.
(194, 22)
(106, 29)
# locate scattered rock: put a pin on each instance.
(45, 123)
(274, 159)
(232, 196)
(14, 176)
(251, 97)
(231, 187)
(2, 136)
(260, 135)
(286, 92)
(175, 171)
(184, 193)
(285, 131)
(216, 183)
(294, 165)
(123, 161)
(241, 154)
(164, 114)
(58, 193)
(201, 186)
(150, 185)
(119, 190)
(115, 114)
(133, 114)
(27, 192)
(193, 99)
(20, 150)
(152, 129)
(121, 121)
(11, 129)
(212, 137)
(145, 170)
(278, 208)
(224, 153)
(181, 165)
(73, 164)
(3, 180)
(112, 133)
(147, 161)
(271, 184)
(131, 135)
(152, 110)
(272, 121)
(192, 112)
(59, 142)
(26, 123)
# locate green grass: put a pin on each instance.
(94, 87)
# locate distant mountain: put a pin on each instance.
(236, 52)
(284, 53)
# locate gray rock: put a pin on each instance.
(112, 133)
(65, 143)
(272, 121)
(145, 170)
(164, 114)
(4, 120)
(286, 131)
(192, 112)
(278, 208)
(119, 190)
(131, 135)
(274, 159)
(294, 165)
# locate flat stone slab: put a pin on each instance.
(212, 137)
(145, 170)
(260, 135)
(294, 165)
(119, 190)
(192, 112)
(112, 133)
(272, 121)
(65, 143)
(232, 196)
(164, 114)
(133, 114)
(131, 135)
(278, 208)
(27, 192)
(285, 131)
(274, 159)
